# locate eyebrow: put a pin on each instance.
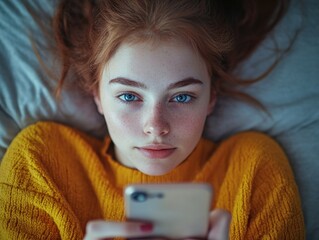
(185, 82)
(128, 82)
(132, 83)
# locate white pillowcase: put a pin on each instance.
(291, 94)
(26, 93)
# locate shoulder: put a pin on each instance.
(35, 138)
(256, 163)
(260, 183)
(35, 134)
(253, 143)
(45, 128)
(251, 139)
(46, 145)
(254, 150)
(46, 138)
(44, 131)
(249, 146)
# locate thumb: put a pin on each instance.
(100, 229)
(219, 225)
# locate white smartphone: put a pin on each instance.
(176, 210)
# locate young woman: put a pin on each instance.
(155, 69)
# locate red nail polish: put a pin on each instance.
(146, 227)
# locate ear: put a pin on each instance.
(97, 101)
(212, 101)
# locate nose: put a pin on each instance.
(156, 123)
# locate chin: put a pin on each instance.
(155, 171)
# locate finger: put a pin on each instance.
(219, 225)
(100, 229)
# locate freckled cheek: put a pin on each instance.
(189, 124)
(123, 122)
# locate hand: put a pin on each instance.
(219, 222)
(100, 229)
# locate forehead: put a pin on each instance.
(171, 59)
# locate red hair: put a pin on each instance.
(88, 32)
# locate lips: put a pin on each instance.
(157, 151)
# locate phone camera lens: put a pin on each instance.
(139, 196)
(160, 195)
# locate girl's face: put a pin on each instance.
(155, 99)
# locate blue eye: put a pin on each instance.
(128, 97)
(182, 98)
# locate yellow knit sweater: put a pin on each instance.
(54, 179)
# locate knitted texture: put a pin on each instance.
(54, 179)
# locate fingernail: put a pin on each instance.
(146, 227)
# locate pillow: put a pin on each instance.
(291, 95)
(26, 93)
(289, 92)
